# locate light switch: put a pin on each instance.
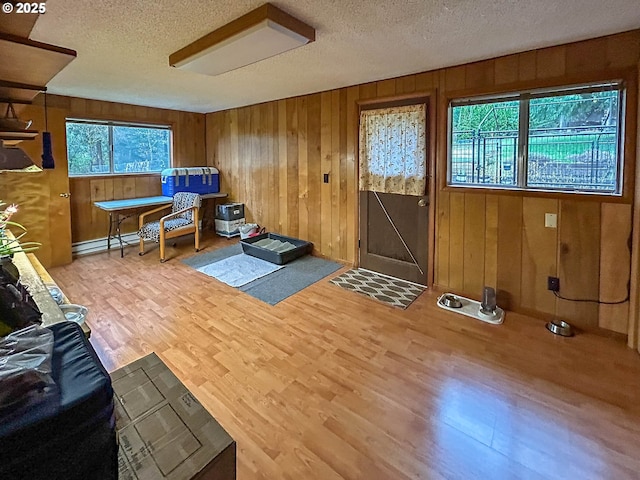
(551, 220)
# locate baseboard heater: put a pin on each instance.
(100, 244)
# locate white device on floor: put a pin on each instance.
(470, 308)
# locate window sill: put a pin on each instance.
(112, 175)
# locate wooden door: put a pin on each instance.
(396, 153)
(43, 197)
(394, 232)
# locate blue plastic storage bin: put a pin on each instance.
(193, 179)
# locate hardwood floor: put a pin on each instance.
(331, 385)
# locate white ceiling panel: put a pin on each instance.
(124, 45)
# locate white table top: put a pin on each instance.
(132, 203)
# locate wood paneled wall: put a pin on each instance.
(501, 241)
(272, 157)
(87, 222)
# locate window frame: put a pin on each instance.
(524, 96)
(119, 123)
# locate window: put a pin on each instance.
(105, 148)
(393, 150)
(563, 140)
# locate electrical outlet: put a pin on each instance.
(553, 284)
(551, 220)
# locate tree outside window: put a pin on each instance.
(103, 148)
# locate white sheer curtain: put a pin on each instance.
(393, 150)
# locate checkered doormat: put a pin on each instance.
(392, 291)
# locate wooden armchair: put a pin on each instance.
(182, 220)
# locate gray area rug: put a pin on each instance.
(392, 291)
(276, 286)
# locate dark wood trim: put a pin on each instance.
(395, 100)
(443, 134)
(22, 86)
(106, 119)
(633, 339)
(432, 126)
(283, 18)
(20, 102)
(265, 12)
(6, 37)
(355, 125)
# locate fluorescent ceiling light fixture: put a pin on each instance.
(261, 33)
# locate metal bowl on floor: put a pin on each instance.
(558, 327)
(451, 301)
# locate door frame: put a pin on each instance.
(429, 97)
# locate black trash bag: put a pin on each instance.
(17, 308)
(25, 371)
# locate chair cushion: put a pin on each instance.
(151, 230)
(182, 200)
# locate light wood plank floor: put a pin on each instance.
(331, 385)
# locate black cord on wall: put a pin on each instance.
(599, 302)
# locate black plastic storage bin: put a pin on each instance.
(302, 247)
(230, 211)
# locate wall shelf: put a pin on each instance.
(30, 62)
(18, 93)
(18, 135)
(27, 66)
(19, 24)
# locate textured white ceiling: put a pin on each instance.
(123, 45)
